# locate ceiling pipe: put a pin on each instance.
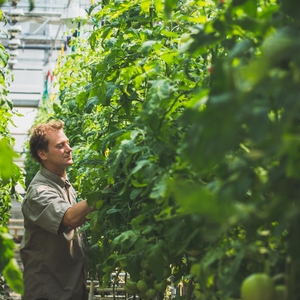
(40, 47)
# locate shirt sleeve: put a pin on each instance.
(45, 208)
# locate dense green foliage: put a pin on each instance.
(10, 175)
(189, 111)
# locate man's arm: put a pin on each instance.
(76, 214)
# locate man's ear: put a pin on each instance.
(41, 154)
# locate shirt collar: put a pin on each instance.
(62, 182)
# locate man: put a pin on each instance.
(52, 250)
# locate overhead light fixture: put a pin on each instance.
(11, 62)
(14, 30)
(13, 53)
(14, 14)
(14, 43)
(70, 15)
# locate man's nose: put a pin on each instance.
(69, 148)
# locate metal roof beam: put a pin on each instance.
(25, 103)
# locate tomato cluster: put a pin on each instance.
(147, 287)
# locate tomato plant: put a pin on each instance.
(189, 112)
(10, 175)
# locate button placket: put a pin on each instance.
(67, 189)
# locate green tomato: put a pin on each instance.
(151, 293)
(160, 286)
(280, 292)
(131, 286)
(142, 285)
(258, 286)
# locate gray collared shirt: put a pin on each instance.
(53, 256)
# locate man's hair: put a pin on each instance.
(38, 139)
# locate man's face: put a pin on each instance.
(59, 154)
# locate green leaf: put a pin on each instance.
(136, 222)
(113, 210)
(169, 5)
(31, 5)
(110, 89)
(133, 263)
(145, 5)
(6, 248)
(161, 186)
(6, 159)
(155, 255)
(248, 6)
(13, 276)
(91, 103)
(134, 193)
(199, 199)
(126, 239)
(139, 165)
(3, 55)
(81, 99)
